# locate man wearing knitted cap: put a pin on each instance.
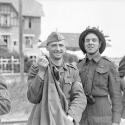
(100, 81)
(55, 87)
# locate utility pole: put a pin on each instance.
(21, 41)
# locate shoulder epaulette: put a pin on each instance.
(73, 65)
(106, 58)
(111, 62)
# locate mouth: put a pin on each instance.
(90, 47)
(58, 53)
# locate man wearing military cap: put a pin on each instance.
(55, 87)
(100, 81)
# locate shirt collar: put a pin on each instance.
(96, 57)
(64, 65)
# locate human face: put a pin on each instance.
(91, 43)
(56, 50)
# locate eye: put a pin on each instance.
(61, 45)
(87, 40)
(53, 45)
(94, 39)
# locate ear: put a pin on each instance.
(100, 42)
(47, 48)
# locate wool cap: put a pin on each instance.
(95, 31)
(55, 37)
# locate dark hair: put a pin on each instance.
(99, 34)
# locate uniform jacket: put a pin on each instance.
(121, 70)
(121, 67)
(70, 89)
(104, 81)
(5, 104)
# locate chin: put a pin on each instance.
(91, 53)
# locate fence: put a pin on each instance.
(9, 65)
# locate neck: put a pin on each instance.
(92, 55)
(57, 62)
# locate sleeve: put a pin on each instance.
(78, 99)
(121, 67)
(115, 94)
(5, 104)
(123, 101)
(123, 96)
(35, 85)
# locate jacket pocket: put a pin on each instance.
(101, 76)
(67, 86)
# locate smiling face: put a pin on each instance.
(56, 50)
(91, 43)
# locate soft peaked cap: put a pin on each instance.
(54, 37)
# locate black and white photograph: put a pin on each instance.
(62, 62)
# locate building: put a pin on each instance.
(32, 12)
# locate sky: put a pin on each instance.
(73, 16)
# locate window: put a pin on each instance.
(15, 43)
(30, 24)
(5, 38)
(28, 41)
(4, 20)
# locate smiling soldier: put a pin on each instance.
(55, 87)
(100, 81)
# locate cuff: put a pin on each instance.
(72, 114)
(116, 118)
(123, 114)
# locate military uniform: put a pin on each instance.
(70, 83)
(56, 90)
(5, 104)
(100, 80)
(121, 70)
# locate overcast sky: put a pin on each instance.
(73, 16)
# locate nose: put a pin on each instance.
(58, 47)
(90, 41)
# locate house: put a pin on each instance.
(32, 12)
(71, 41)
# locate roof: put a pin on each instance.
(36, 10)
(71, 41)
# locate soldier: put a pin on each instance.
(55, 87)
(100, 81)
(121, 70)
(5, 104)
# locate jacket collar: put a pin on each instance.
(96, 57)
(64, 65)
